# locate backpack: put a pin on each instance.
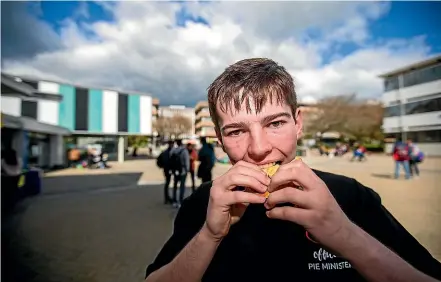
(402, 152)
(160, 160)
(175, 161)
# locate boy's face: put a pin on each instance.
(260, 138)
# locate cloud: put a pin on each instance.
(23, 35)
(144, 49)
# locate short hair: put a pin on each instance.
(179, 142)
(257, 79)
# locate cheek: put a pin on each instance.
(236, 148)
(284, 140)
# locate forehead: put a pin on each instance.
(248, 113)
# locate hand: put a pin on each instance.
(225, 207)
(315, 207)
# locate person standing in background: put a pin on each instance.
(207, 159)
(163, 161)
(401, 157)
(180, 162)
(416, 156)
(193, 158)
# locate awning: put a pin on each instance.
(32, 125)
(16, 87)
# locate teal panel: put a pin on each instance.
(95, 122)
(66, 113)
(134, 111)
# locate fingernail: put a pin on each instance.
(268, 214)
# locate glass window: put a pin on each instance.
(29, 109)
(392, 111)
(422, 76)
(390, 83)
(424, 106)
(429, 136)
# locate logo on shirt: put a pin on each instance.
(325, 261)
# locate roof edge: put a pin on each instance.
(418, 65)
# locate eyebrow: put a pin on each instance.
(266, 119)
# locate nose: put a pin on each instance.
(259, 146)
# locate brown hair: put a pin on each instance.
(258, 79)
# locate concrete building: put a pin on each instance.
(28, 123)
(155, 115)
(96, 115)
(179, 110)
(412, 102)
(204, 126)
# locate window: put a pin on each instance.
(392, 111)
(422, 76)
(429, 136)
(29, 109)
(391, 83)
(424, 106)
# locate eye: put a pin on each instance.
(234, 133)
(276, 124)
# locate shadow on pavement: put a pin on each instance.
(85, 183)
(84, 237)
(382, 175)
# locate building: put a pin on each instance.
(96, 115)
(309, 113)
(155, 115)
(176, 111)
(204, 126)
(412, 104)
(28, 124)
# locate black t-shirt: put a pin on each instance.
(261, 249)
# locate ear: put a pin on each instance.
(219, 138)
(299, 123)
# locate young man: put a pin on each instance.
(331, 229)
(180, 161)
(163, 161)
(207, 160)
(401, 155)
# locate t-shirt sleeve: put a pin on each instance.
(187, 224)
(376, 220)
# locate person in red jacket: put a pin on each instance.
(193, 158)
(401, 155)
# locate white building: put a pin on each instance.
(28, 124)
(412, 101)
(179, 110)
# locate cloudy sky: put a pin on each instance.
(174, 50)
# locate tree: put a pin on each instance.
(163, 126)
(331, 114)
(365, 121)
(347, 115)
(181, 125)
(176, 125)
(138, 141)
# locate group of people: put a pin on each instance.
(91, 158)
(179, 161)
(407, 155)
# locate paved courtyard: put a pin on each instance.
(103, 226)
